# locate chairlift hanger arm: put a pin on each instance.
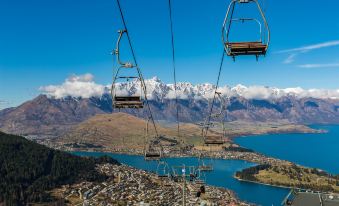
(229, 9)
(221, 105)
(117, 51)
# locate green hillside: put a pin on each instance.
(28, 169)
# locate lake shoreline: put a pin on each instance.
(220, 177)
(311, 131)
(262, 183)
(299, 129)
(244, 156)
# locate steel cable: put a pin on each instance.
(138, 69)
(207, 122)
(174, 67)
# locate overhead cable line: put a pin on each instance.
(207, 122)
(174, 67)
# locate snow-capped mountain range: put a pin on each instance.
(61, 107)
(85, 87)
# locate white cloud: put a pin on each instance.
(82, 78)
(290, 59)
(3, 104)
(84, 86)
(75, 86)
(311, 47)
(261, 92)
(319, 65)
(296, 51)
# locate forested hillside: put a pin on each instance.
(28, 170)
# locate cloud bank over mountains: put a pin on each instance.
(3, 104)
(84, 86)
(75, 86)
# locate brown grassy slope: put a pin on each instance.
(121, 130)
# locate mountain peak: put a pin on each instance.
(85, 87)
(156, 79)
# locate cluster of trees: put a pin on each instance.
(248, 173)
(28, 170)
(294, 172)
(83, 145)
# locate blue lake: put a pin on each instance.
(313, 150)
(221, 176)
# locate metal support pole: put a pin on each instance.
(184, 186)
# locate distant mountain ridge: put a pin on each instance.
(44, 116)
(47, 115)
(84, 86)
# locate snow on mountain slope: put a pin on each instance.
(84, 86)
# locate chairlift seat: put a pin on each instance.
(199, 182)
(213, 140)
(163, 176)
(152, 156)
(246, 48)
(128, 102)
(205, 167)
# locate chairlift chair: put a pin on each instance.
(201, 177)
(199, 182)
(162, 170)
(205, 167)
(134, 102)
(214, 140)
(125, 101)
(152, 155)
(152, 152)
(152, 148)
(258, 47)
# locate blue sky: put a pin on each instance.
(43, 42)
